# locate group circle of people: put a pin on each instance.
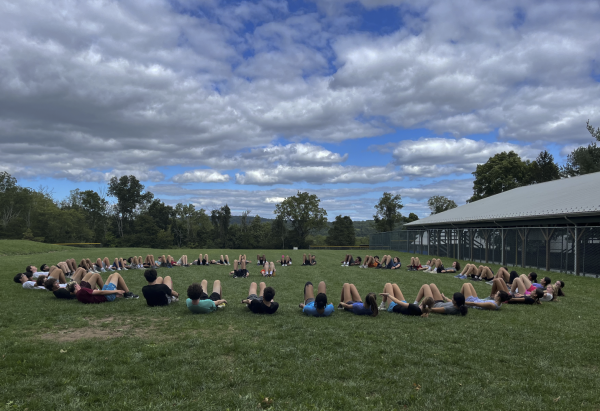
(84, 282)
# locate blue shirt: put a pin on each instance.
(359, 309)
(311, 310)
(537, 285)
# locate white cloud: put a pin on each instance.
(201, 176)
(317, 175)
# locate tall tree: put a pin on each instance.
(500, 173)
(439, 204)
(279, 232)
(220, 219)
(584, 160)
(341, 232)
(387, 212)
(304, 213)
(411, 217)
(130, 198)
(544, 168)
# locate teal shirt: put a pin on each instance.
(203, 307)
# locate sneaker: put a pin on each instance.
(339, 307)
(382, 306)
(458, 276)
(222, 305)
(102, 270)
(489, 282)
(124, 269)
(131, 296)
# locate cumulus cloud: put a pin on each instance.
(201, 176)
(317, 175)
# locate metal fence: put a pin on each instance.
(570, 249)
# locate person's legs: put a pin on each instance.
(526, 282)
(518, 283)
(63, 266)
(271, 268)
(116, 279)
(304, 259)
(321, 288)
(94, 279)
(425, 291)
(498, 284)
(387, 288)
(468, 291)
(266, 268)
(309, 292)
(243, 264)
(435, 292)
(235, 264)
(57, 273)
(160, 280)
(262, 287)
(206, 258)
(397, 292)
(204, 285)
(252, 289)
(78, 275)
(418, 262)
(346, 293)
(217, 288)
(486, 274)
(355, 294)
(226, 259)
(168, 281)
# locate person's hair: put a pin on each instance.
(555, 291)
(536, 295)
(427, 305)
(457, 266)
(269, 294)
(71, 286)
(533, 276)
(49, 283)
(504, 296)
(358, 259)
(85, 284)
(129, 260)
(17, 278)
(28, 269)
(44, 267)
(547, 280)
(321, 301)
(562, 285)
(150, 275)
(377, 257)
(40, 281)
(195, 291)
(459, 300)
(371, 301)
(396, 258)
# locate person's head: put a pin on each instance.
(458, 299)
(560, 285)
(30, 269)
(359, 259)
(71, 287)
(195, 291)
(546, 281)
(321, 301)
(428, 262)
(536, 295)
(40, 281)
(533, 277)
(396, 260)
(502, 297)
(371, 301)
(427, 305)
(130, 259)
(269, 294)
(50, 284)
(20, 278)
(456, 265)
(376, 258)
(44, 267)
(150, 275)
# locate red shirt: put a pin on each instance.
(86, 296)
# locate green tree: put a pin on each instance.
(500, 173)
(411, 217)
(387, 213)
(220, 220)
(439, 204)
(341, 232)
(130, 199)
(544, 168)
(584, 160)
(279, 232)
(304, 214)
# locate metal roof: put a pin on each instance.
(575, 196)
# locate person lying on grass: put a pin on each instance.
(436, 266)
(493, 303)
(285, 260)
(239, 269)
(442, 304)
(198, 302)
(350, 300)
(371, 262)
(263, 302)
(26, 279)
(269, 269)
(159, 291)
(415, 264)
(260, 259)
(316, 306)
(455, 268)
(399, 305)
(114, 287)
(67, 291)
(348, 261)
(391, 263)
(534, 297)
(309, 259)
(481, 273)
(222, 261)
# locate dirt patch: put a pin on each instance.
(101, 328)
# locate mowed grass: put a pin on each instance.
(57, 354)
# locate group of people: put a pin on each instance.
(84, 282)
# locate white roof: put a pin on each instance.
(575, 196)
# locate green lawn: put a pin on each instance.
(57, 354)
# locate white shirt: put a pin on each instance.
(30, 285)
(38, 273)
(547, 297)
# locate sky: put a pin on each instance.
(248, 102)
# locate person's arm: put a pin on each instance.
(301, 306)
(174, 293)
(446, 299)
(394, 299)
(246, 301)
(219, 302)
(485, 306)
(439, 310)
(348, 306)
(108, 292)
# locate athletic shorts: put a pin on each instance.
(392, 305)
(309, 300)
(532, 288)
(110, 287)
(212, 297)
(252, 297)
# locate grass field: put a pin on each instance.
(57, 354)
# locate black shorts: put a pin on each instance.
(213, 296)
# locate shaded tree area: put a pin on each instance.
(342, 232)
(584, 160)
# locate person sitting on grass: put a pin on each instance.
(114, 287)
(371, 262)
(262, 303)
(455, 268)
(350, 300)
(198, 302)
(493, 303)
(442, 304)
(239, 269)
(348, 261)
(159, 291)
(309, 260)
(399, 305)
(316, 306)
(285, 260)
